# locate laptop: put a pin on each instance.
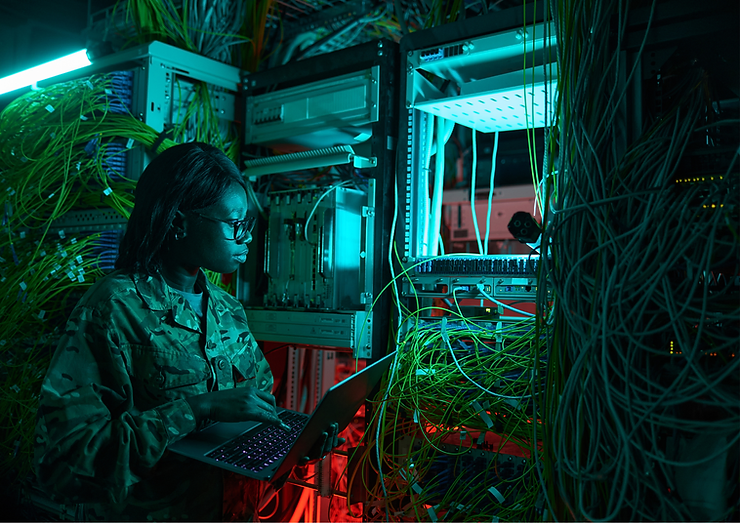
(265, 452)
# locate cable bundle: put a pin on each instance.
(643, 363)
(63, 148)
(458, 385)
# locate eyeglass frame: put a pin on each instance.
(249, 223)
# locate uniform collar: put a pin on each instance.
(158, 296)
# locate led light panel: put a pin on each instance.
(506, 102)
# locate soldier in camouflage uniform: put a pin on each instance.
(154, 350)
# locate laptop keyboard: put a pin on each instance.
(257, 450)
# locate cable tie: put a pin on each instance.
(50, 108)
(432, 513)
(160, 138)
(497, 494)
(107, 191)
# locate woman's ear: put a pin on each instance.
(179, 225)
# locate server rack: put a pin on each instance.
(336, 109)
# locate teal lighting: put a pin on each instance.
(44, 71)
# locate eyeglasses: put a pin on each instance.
(241, 227)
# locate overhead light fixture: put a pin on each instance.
(42, 72)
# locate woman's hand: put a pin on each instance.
(239, 404)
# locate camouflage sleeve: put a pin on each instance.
(91, 444)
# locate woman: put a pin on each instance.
(154, 350)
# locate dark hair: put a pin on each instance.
(185, 177)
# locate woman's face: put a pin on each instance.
(210, 244)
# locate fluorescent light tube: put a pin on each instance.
(44, 71)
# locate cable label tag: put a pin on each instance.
(497, 494)
(483, 414)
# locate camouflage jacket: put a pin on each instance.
(112, 399)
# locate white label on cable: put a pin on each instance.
(513, 403)
(483, 414)
(50, 108)
(432, 514)
(497, 494)
(416, 488)
(416, 416)
(130, 143)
